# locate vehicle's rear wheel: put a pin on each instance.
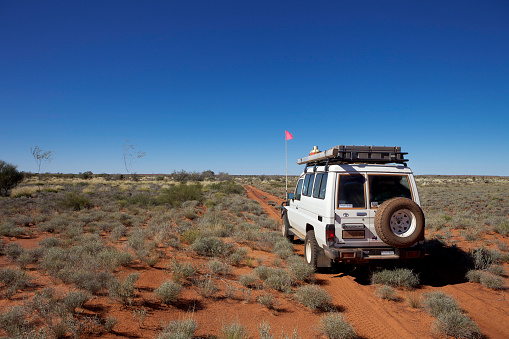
(285, 228)
(311, 249)
(399, 222)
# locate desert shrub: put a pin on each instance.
(283, 248)
(13, 250)
(175, 195)
(14, 321)
(210, 246)
(207, 287)
(13, 280)
(220, 268)
(91, 281)
(334, 326)
(483, 258)
(141, 199)
(496, 270)
(262, 272)
(268, 301)
(400, 277)
(299, 269)
(178, 329)
(278, 279)
(118, 232)
(123, 290)
(314, 297)
(438, 302)
(168, 291)
(227, 187)
(456, 324)
(248, 280)
(50, 242)
(234, 330)
(75, 201)
(74, 299)
(109, 324)
(502, 228)
(491, 281)
(413, 299)
(8, 228)
(28, 257)
(238, 255)
(189, 236)
(181, 271)
(386, 292)
(110, 259)
(9, 177)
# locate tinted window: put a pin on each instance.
(323, 186)
(307, 189)
(306, 184)
(351, 192)
(316, 189)
(385, 187)
(298, 189)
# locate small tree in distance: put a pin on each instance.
(130, 155)
(41, 158)
(9, 177)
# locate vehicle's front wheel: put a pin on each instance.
(285, 228)
(311, 249)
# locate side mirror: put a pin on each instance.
(290, 196)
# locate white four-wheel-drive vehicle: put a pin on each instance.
(355, 204)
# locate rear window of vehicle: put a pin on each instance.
(351, 191)
(383, 187)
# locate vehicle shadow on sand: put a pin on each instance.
(443, 265)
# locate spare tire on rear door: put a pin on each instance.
(399, 222)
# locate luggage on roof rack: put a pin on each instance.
(356, 154)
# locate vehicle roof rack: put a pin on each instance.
(356, 154)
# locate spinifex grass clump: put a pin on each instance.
(175, 195)
(210, 246)
(450, 319)
(168, 292)
(313, 297)
(400, 277)
(334, 326)
(178, 329)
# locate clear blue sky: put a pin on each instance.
(203, 85)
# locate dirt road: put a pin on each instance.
(373, 317)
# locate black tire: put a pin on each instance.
(285, 228)
(311, 249)
(399, 222)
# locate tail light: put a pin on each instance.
(330, 234)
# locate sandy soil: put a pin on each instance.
(373, 317)
(349, 286)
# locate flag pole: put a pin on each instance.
(286, 162)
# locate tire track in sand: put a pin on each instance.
(371, 316)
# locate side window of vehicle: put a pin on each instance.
(298, 190)
(316, 189)
(323, 186)
(351, 191)
(307, 189)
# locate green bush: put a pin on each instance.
(314, 297)
(228, 187)
(175, 195)
(75, 201)
(400, 277)
(168, 292)
(334, 326)
(9, 177)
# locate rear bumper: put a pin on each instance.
(373, 253)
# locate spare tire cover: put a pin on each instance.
(399, 222)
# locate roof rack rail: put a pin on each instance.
(356, 154)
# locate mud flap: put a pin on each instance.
(322, 260)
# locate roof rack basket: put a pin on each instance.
(356, 154)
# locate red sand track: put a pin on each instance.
(373, 317)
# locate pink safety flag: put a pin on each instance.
(288, 135)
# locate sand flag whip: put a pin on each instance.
(288, 136)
